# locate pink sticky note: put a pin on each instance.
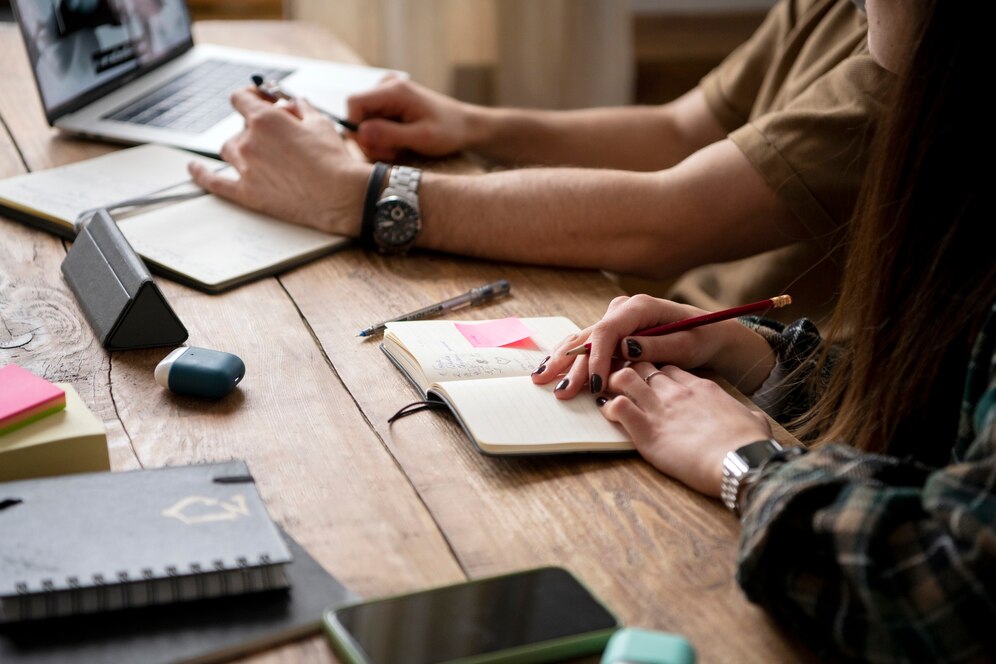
(494, 333)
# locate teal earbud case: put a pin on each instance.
(640, 646)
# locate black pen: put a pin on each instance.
(473, 296)
(272, 91)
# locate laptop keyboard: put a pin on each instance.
(196, 99)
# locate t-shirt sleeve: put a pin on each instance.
(813, 152)
(732, 88)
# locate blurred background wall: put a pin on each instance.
(536, 53)
(543, 53)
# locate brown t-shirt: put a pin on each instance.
(800, 100)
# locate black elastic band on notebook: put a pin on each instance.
(416, 407)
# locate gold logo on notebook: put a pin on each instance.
(200, 509)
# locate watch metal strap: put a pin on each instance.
(403, 183)
(741, 462)
(370, 205)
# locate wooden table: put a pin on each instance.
(385, 508)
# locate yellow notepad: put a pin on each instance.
(491, 393)
(70, 441)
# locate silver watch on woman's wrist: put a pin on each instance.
(741, 463)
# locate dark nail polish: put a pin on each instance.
(542, 367)
(601, 401)
(562, 385)
(634, 349)
(596, 383)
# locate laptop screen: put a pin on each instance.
(77, 47)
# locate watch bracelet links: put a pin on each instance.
(732, 494)
(403, 182)
(374, 186)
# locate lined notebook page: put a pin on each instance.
(512, 414)
(444, 354)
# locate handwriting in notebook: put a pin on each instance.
(482, 365)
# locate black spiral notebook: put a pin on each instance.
(96, 542)
(106, 541)
(209, 630)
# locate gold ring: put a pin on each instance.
(651, 375)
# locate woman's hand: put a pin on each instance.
(292, 165)
(737, 353)
(400, 115)
(683, 425)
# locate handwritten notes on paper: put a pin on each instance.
(494, 333)
(440, 352)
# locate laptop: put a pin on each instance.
(128, 71)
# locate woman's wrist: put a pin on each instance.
(744, 358)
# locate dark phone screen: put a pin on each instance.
(475, 618)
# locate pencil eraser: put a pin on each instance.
(200, 372)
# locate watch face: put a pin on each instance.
(758, 452)
(396, 223)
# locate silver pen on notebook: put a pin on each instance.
(473, 296)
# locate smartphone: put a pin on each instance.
(538, 615)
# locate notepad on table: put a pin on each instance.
(204, 242)
(71, 440)
(491, 393)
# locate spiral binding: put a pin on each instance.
(124, 591)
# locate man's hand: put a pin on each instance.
(292, 165)
(400, 115)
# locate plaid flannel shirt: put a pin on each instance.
(875, 557)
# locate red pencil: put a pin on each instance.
(697, 321)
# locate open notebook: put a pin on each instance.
(491, 393)
(203, 242)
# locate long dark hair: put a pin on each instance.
(921, 270)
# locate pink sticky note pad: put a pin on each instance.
(24, 397)
(497, 333)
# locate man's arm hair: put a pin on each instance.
(713, 206)
(637, 138)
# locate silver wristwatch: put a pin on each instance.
(741, 463)
(397, 218)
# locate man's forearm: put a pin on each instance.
(712, 207)
(642, 138)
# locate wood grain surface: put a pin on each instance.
(385, 508)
